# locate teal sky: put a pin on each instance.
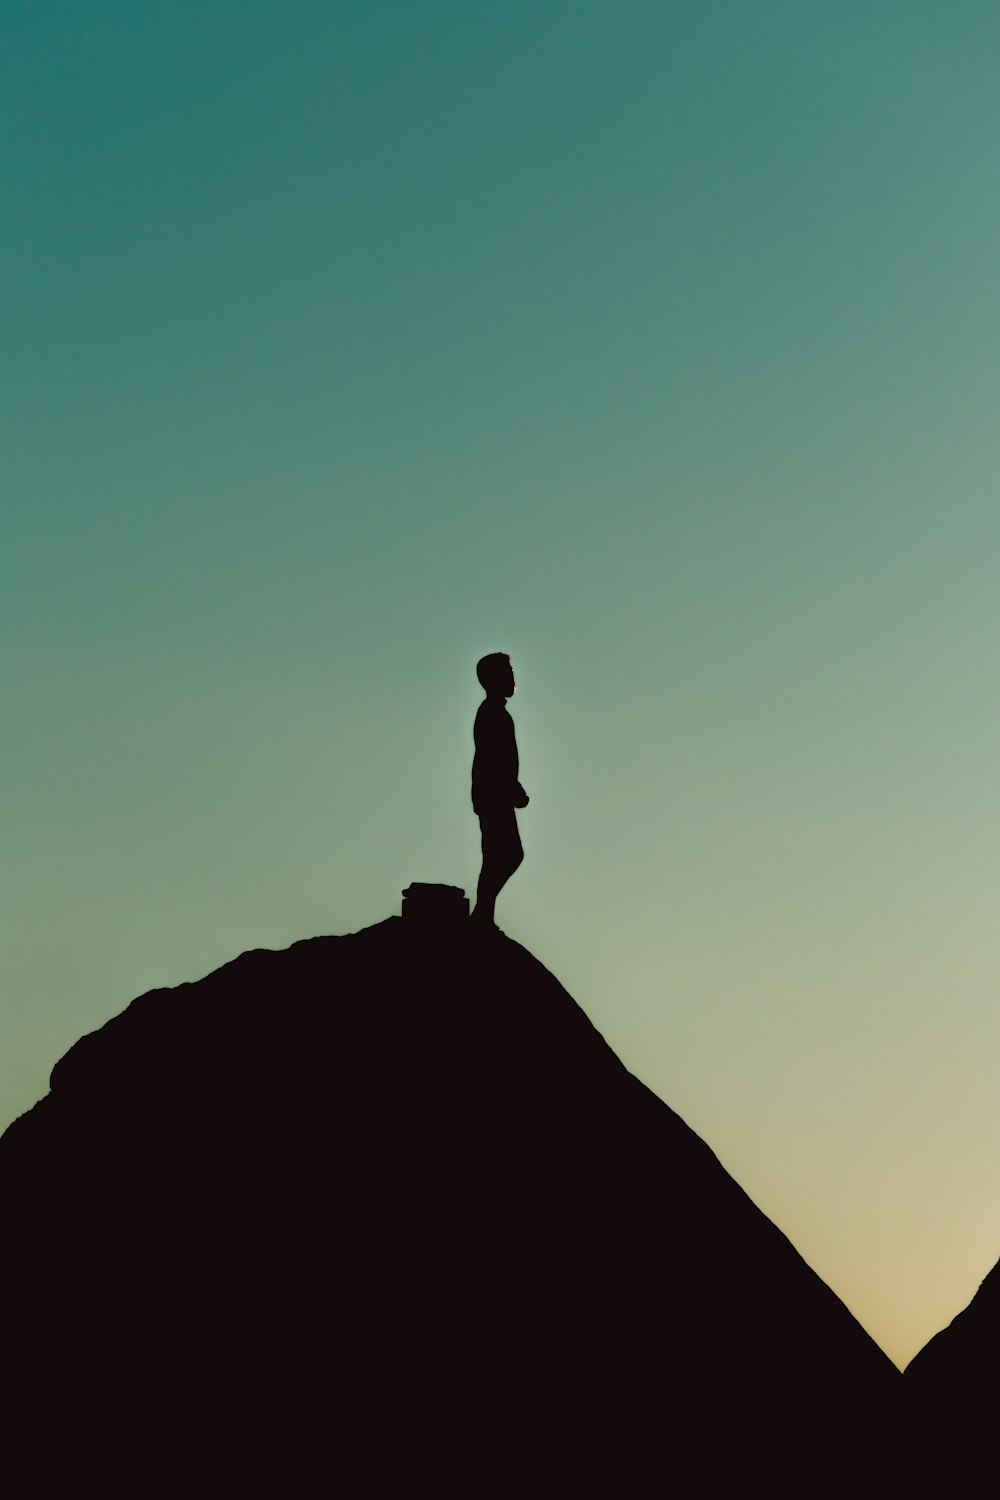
(654, 343)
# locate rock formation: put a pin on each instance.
(385, 1210)
(951, 1398)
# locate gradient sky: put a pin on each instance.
(654, 343)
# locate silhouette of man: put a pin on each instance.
(496, 791)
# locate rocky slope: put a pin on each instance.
(950, 1397)
(385, 1209)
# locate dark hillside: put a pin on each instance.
(951, 1395)
(385, 1210)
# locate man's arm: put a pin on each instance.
(520, 795)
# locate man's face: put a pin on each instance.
(510, 686)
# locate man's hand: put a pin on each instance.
(520, 796)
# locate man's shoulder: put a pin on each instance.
(489, 711)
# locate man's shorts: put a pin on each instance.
(501, 839)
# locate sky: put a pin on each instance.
(653, 343)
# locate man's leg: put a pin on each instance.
(502, 854)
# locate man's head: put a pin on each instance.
(496, 675)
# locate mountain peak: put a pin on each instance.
(389, 1203)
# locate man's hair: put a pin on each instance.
(489, 668)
